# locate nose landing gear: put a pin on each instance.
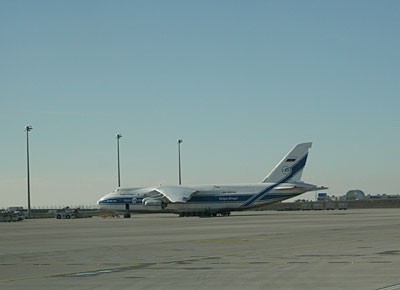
(127, 215)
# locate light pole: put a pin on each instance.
(179, 160)
(119, 136)
(27, 129)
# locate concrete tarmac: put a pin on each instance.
(353, 249)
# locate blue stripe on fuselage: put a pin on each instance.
(295, 169)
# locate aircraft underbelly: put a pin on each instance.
(202, 207)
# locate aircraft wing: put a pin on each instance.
(176, 194)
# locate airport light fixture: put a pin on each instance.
(119, 136)
(28, 129)
(179, 160)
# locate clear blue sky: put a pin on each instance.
(240, 81)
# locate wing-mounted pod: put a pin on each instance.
(154, 200)
(150, 202)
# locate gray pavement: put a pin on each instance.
(353, 249)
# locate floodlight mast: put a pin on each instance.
(179, 160)
(28, 129)
(119, 136)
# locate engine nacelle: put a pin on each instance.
(147, 202)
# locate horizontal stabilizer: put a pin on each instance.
(301, 185)
(320, 188)
(285, 187)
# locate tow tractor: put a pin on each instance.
(67, 213)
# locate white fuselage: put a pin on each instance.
(281, 183)
(207, 198)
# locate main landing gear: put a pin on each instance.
(205, 214)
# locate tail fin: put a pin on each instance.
(290, 168)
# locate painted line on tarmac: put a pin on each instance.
(99, 271)
(232, 240)
(87, 273)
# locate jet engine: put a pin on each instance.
(150, 202)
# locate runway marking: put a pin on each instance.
(87, 273)
(232, 240)
(99, 271)
(90, 274)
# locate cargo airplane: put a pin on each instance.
(283, 182)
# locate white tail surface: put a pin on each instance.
(290, 168)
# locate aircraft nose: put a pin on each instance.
(102, 201)
(99, 203)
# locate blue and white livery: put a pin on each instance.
(283, 182)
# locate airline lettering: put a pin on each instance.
(229, 198)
